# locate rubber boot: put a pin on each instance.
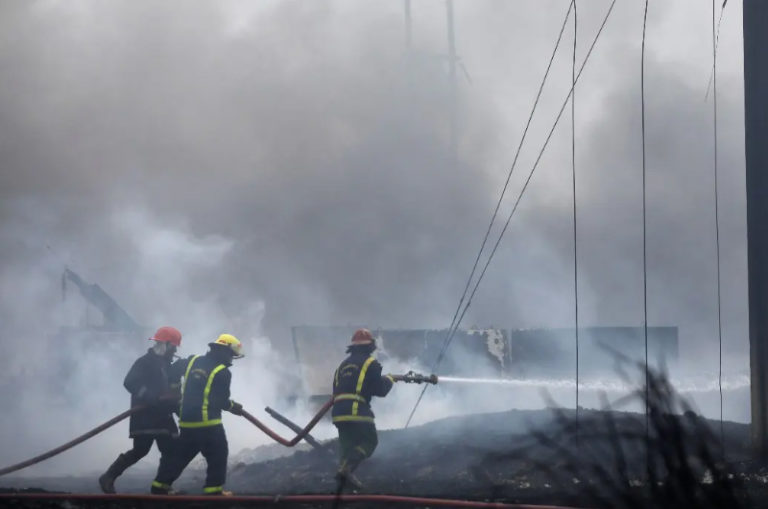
(107, 479)
(158, 488)
(344, 475)
(223, 493)
(354, 462)
(355, 482)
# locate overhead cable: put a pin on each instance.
(715, 37)
(575, 236)
(645, 251)
(525, 186)
(717, 45)
(453, 327)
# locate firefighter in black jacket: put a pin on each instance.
(205, 393)
(150, 377)
(357, 379)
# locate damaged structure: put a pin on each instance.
(99, 328)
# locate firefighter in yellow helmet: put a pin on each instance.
(357, 379)
(205, 393)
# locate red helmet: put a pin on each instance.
(362, 337)
(168, 335)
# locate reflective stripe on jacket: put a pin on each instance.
(355, 382)
(204, 393)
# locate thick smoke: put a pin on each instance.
(241, 168)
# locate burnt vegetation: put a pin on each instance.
(673, 458)
(667, 458)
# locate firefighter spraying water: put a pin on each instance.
(356, 381)
(204, 381)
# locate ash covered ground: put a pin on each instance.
(519, 456)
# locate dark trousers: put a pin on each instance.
(357, 441)
(211, 441)
(143, 443)
(141, 446)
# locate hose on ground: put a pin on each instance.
(279, 499)
(300, 436)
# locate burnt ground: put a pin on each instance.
(498, 457)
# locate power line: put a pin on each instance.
(453, 327)
(717, 45)
(573, 167)
(517, 202)
(715, 37)
(645, 250)
(512, 168)
(540, 155)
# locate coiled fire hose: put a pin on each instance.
(409, 377)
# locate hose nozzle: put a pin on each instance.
(416, 378)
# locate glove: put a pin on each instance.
(169, 401)
(396, 378)
(236, 408)
(174, 390)
(170, 395)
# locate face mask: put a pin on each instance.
(160, 347)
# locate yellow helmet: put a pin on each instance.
(231, 342)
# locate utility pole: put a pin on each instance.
(451, 58)
(756, 150)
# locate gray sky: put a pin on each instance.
(248, 167)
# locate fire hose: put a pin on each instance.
(409, 377)
(82, 438)
(277, 499)
(98, 429)
(300, 436)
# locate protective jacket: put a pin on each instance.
(204, 392)
(151, 377)
(357, 379)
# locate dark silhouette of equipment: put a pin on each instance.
(415, 378)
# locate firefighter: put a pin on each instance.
(357, 379)
(149, 379)
(205, 393)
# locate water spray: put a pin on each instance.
(693, 385)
